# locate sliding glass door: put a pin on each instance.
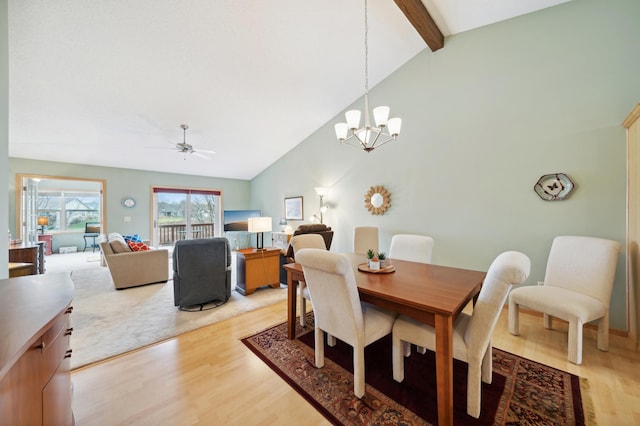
(185, 214)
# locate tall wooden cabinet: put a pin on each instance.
(35, 376)
(632, 124)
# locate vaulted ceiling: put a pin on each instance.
(110, 83)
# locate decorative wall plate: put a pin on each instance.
(553, 187)
(377, 200)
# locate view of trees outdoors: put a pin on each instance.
(68, 211)
(172, 208)
(185, 216)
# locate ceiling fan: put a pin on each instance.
(185, 148)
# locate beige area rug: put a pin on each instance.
(108, 322)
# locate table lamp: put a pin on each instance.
(42, 222)
(259, 225)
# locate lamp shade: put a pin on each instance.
(341, 131)
(353, 118)
(381, 115)
(394, 125)
(259, 224)
(43, 220)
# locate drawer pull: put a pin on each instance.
(69, 310)
(41, 346)
(69, 331)
(68, 354)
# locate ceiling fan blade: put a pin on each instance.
(197, 154)
(207, 151)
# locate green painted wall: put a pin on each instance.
(4, 129)
(483, 119)
(121, 183)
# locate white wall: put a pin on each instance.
(483, 119)
(4, 130)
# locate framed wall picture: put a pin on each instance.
(293, 208)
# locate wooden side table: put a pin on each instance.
(257, 268)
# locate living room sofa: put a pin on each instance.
(130, 268)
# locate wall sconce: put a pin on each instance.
(322, 191)
(259, 225)
(43, 221)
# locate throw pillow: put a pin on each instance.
(135, 238)
(136, 246)
(118, 245)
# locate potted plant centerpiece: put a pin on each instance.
(383, 260)
(374, 261)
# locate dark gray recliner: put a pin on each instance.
(201, 273)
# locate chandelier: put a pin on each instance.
(368, 137)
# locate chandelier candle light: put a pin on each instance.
(368, 137)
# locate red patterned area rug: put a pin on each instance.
(522, 392)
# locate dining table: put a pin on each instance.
(432, 294)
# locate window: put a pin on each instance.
(67, 203)
(68, 210)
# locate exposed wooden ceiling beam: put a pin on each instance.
(417, 14)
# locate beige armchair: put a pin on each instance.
(577, 288)
(135, 268)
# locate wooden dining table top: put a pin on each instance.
(432, 288)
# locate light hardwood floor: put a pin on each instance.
(208, 377)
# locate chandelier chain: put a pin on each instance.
(366, 49)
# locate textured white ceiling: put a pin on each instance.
(109, 82)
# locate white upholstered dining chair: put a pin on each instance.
(413, 248)
(299, 242)
(577, 288)
(337, 309)
(365, 238)
(472, 333)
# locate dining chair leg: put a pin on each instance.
(358, 372)
(474, 396)
(397, 357)
(303, 308)
(319, 343)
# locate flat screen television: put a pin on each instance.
(238, 220)
(236, 227)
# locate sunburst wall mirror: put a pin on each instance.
(377, 200)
